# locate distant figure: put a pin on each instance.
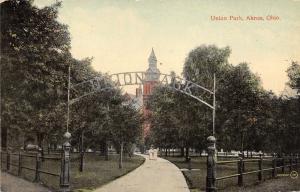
(155, 154)
(152, 153)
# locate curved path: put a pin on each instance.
(153, 176)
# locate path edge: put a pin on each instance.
(120, 176)
(186, 182)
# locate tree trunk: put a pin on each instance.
(166, 152)
(79, 144)
(24, 144)
(4, 137)
(187, 153)
(81, 152)
(130, 149)
(106, 150)
(48, 146)
(102, 148)
(121, 156)
(40, 138)
(181, 151)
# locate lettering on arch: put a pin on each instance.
(138, 78)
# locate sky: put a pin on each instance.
(119, 34)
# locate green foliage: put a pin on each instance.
(35, 59)
(34, 63)
(202, 62)
(175, 120)
(247, 116)
(294, 76)
(239, 104)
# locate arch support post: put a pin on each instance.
(65, 165)
(214, 106)
(211, 165)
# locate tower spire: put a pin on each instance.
(152, 59)
(152, 71)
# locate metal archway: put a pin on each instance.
(103, 83)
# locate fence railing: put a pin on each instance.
(277, 163)
(22, 161)
(290, 162)
(53, 165)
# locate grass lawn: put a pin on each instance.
(96, 171)
(279, 184)
(196, 179)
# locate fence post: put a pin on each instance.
(7, 161)
(37, 166)
(274, 166)
(291, 162)
(260, 167)
(240, 170)
(283, 164)
(296, 161)
(189, 163)
(20, 164)
(81, 161)
(211, 165)
(65, 165)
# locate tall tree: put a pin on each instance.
(34, 65)
(293, 73)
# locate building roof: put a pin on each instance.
(137, 102)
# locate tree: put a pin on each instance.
(205, 61)
(164, 130)
(34, 57)
(284, 135)
(293, 73)
(126, 126)
(34, 81)
(239, 99)
(175, 121)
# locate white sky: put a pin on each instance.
(119, 34)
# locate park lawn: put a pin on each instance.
(196, 179)
(97, 171)
(279, 184)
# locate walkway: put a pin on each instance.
(10, 183)
(153, 176)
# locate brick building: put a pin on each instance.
(143, 92)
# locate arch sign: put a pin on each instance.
(138, 78)
(103, 83)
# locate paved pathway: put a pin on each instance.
(153, 176)
(10, 183)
